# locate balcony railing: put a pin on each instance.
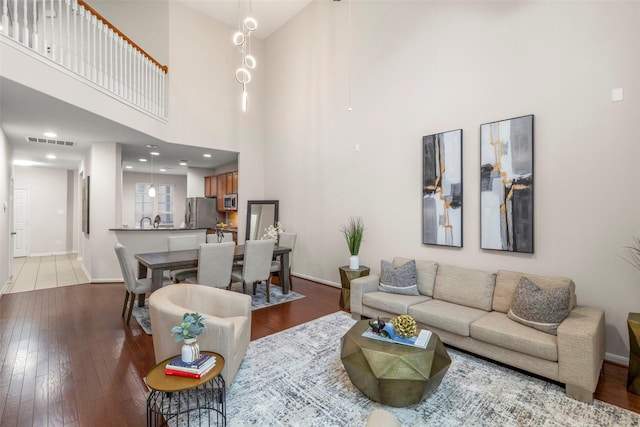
(75, 36)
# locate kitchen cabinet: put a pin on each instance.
(226, 183)
(210, 186)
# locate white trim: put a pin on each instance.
(315, 279)
(114, 280)
(5, 288)
(48, 254)
(616, 359)
(86, 273)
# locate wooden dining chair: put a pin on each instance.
(181, 243)
(215, 261)
(287, 240)
(256, 266)
(132, 286)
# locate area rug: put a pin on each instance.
(296, 378)
(259, 300)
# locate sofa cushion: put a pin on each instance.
(450, 317)
(398, 280)
(541, 309)
(391, 303)
(425, 273)
(464, 286)
(495, 328)
(507, 281)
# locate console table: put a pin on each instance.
(175, 400)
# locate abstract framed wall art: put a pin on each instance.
(506, 185)
(442, 189)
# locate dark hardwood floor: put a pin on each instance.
(68, 359)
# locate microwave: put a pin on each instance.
(230, 202)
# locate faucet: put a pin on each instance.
(142, 219)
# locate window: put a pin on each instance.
(162, 204)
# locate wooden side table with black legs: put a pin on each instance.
(346, 276)
(175, 400)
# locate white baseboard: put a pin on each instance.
(86, 272)
(315, 279)
(50, 253)
(114, 280)
(621, 360)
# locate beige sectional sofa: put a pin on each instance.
(468, 309)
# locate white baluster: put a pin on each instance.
(94, 48)
(52, 51)
(16, 25)
(25, 24)
(101, 38)
(81, 41)
(111, 75)
(60, 41)
(43, 22)
(5, 17)
(74, 9)
(68, 42)
(34, 39)
(162, 95)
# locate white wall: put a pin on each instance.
(48, 208)
(128, 195)
(424, 67)
(195, 181)
(6, 199)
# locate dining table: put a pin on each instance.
(158, 262)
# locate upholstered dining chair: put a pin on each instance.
(287, 240)
(227, 319)
(132, 286)
(181, 243)
(213, 237)
(256, 266)
(215, 261)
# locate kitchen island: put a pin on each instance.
(144, 240)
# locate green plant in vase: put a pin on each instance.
(353, 233)
(192, 325)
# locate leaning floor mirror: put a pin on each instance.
(260, 215)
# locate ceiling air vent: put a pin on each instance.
(50, 141)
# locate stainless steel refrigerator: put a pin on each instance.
(200, 212)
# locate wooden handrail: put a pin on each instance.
(164, 68)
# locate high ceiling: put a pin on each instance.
(25, 113)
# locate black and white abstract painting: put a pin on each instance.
(506, 185)
(442, 189)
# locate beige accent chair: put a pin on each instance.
(181, 243)
(256, 266)
(132, 286)
(226, 237)
(382, 418)
(227, 319)
(215, 262)
(287, 240)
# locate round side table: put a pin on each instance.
(191, 400)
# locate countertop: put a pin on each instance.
(157, 229)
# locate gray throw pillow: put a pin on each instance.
(542, 309)
(398, 280)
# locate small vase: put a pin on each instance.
(354, 262)
(190, 350)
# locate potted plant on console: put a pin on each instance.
(353, 233)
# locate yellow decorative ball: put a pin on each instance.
(405, 326)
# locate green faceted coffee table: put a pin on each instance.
(394, 374)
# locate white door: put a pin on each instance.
(21, 222)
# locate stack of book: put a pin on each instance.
(195, 369)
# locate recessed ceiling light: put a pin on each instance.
(50, 134)
(142, 160)
(183, 163)
(207, 155)
(163, 170)
(128, 167)
(19, 162)
(51, 156)
(152, 146)
(154, 153)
